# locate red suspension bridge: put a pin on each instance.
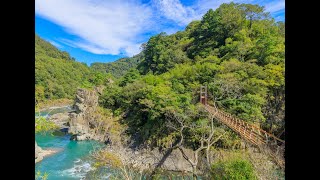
(267, 142)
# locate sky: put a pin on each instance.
(106, 30)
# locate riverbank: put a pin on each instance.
(44, 153)
(53, 104)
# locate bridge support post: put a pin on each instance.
(203, 95)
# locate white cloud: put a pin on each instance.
(55, 44)
(176, 11)
(103, 27)
(120, 26)
(204, 5)
(183, 15)
(275, 6)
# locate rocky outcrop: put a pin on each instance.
(41, 153)
(38, 153)
(82, 121)
(146, 160)
(60, 119)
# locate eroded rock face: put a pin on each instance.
(176, 161)
(145, 159)
(82, 121)
(38, 154)
(60, 119)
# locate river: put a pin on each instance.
(73, 159)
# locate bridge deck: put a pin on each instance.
(249, 132)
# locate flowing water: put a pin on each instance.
(52, 111)
(72, 159)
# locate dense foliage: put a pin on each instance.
(237, 169)
(236, 50)
(57, 75)
(119, 67)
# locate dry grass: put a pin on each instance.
(55, 102)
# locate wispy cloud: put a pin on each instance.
(103, 27)
(55, 44)
(120, 26)
(176, 11)
(275, 6)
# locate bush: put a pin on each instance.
(236, 169)
(44, 126)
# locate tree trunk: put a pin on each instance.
(208, 157)
(194, 172)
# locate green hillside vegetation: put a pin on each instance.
(237, 50)
(57, 75)
(119, 67)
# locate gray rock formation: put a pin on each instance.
(82, 121)
(41, 153)
(38, 154)
(60, 119)
(145, 159)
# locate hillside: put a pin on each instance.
(119, 67)
(57, 75)
(236, 50)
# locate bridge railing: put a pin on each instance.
(250, 131)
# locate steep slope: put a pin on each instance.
(57, 75)
(236, 50)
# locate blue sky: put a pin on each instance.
(106, 30)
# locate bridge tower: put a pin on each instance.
(203, 95)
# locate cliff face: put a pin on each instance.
(83, 120)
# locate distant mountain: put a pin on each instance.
(119, 67)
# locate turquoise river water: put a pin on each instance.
(73, 159)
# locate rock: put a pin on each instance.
(41, 153)
(60, 119)
(82, 121)
(147, 160)
(176, 162)
(38, 154)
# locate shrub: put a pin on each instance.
(44, 126)
(236, 169)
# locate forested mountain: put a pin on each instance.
(57, 75)
(237, 50)
(119, 67)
